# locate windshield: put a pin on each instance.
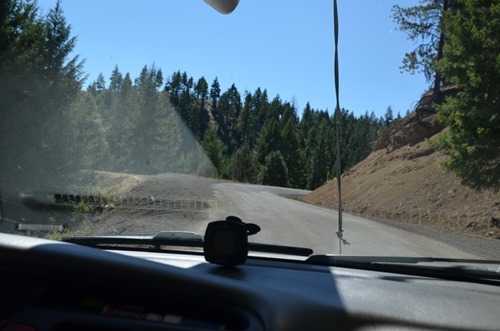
(127, 118)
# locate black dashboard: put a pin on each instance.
(47, 285)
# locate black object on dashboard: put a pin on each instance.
(251, 228)
(226, 242)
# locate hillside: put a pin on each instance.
(402, 180)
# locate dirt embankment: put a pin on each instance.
(402, 180)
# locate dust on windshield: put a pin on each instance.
(135, 126)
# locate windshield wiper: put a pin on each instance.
(393, 259)
(417, 266)
(176, 238)
(167, 238)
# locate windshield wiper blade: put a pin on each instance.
(411, 266)
(177, 238)
(394, 259)
(166, 238)
(279, 249)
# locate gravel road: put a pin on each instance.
(289, 222)
(172, 202)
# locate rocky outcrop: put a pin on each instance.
(408, 131)
(418, 126)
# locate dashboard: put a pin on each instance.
(49, 285)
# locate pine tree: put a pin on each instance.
(269, 140)
(243, 166)
(244, 124)
(214, 149)
(229, 108)
(274, 170)
(388, 117)
(424, 24)
(116, 80)
(306, 123)
(215, 93)
(261, 110)
(293, 154)
(201, 93)
(144, 147)
(173, 88)
(471, 60)
(88, 138)
(38, 81)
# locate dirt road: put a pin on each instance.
(187, 203)
(289, 222)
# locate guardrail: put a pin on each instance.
(134, 202)
(26, 227)
(172, 204)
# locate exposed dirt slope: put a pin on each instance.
(405, 182)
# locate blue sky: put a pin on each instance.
(285, 46)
